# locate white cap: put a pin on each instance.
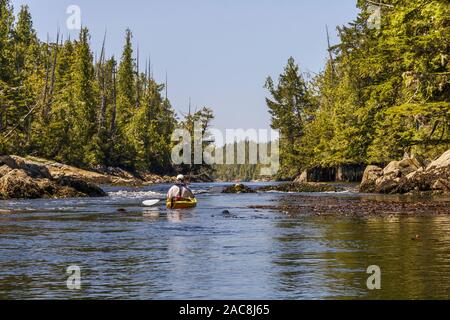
(180, 177)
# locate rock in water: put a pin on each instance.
(33, 170)
(401, 168)
(238, 188)
(388, 184)
(87, 188)
(441, 185)
(8, 162)
(4, 169)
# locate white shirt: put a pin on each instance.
(174, 192)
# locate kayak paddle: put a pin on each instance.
(150, 203)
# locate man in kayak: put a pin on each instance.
(179, 191)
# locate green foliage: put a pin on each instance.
(126, 100)
(6, 40)
(197, 124)
(290, 107)
(385, 92)
(58, 103)
(151, 128)
(245, 171)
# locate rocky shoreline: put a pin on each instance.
(409, 176)
(23, 179)
(33, 178)
(106, 176)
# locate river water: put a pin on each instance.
(203, 253)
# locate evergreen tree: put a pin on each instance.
(86, 93)
(385, 91)
(26, 44)
(145, 128)
(126, 83)
(201, 121)
(8, 111)
(126, 103)
(58, 104)
(6, 41)
(290, 108)
(55, 136)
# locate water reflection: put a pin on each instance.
(152, 213)
(323, 257)
(174, 216)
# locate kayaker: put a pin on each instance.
(180, 190)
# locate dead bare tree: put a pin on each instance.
(330, 53)
(102, 80)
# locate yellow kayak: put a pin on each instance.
(181, 204)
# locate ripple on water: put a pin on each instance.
(135, 194)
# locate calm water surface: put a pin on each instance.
(204, 254)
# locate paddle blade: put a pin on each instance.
(149, 203)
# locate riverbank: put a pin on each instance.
(24, 179)
(32, 178)
(359, 206)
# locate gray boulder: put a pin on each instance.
(370, 176)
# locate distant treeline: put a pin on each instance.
(57, 102)
(244, 167)
(384, 92)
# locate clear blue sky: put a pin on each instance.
(218, 52)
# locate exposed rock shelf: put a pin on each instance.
(409, 176)
(23, 179)
(103, 175)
